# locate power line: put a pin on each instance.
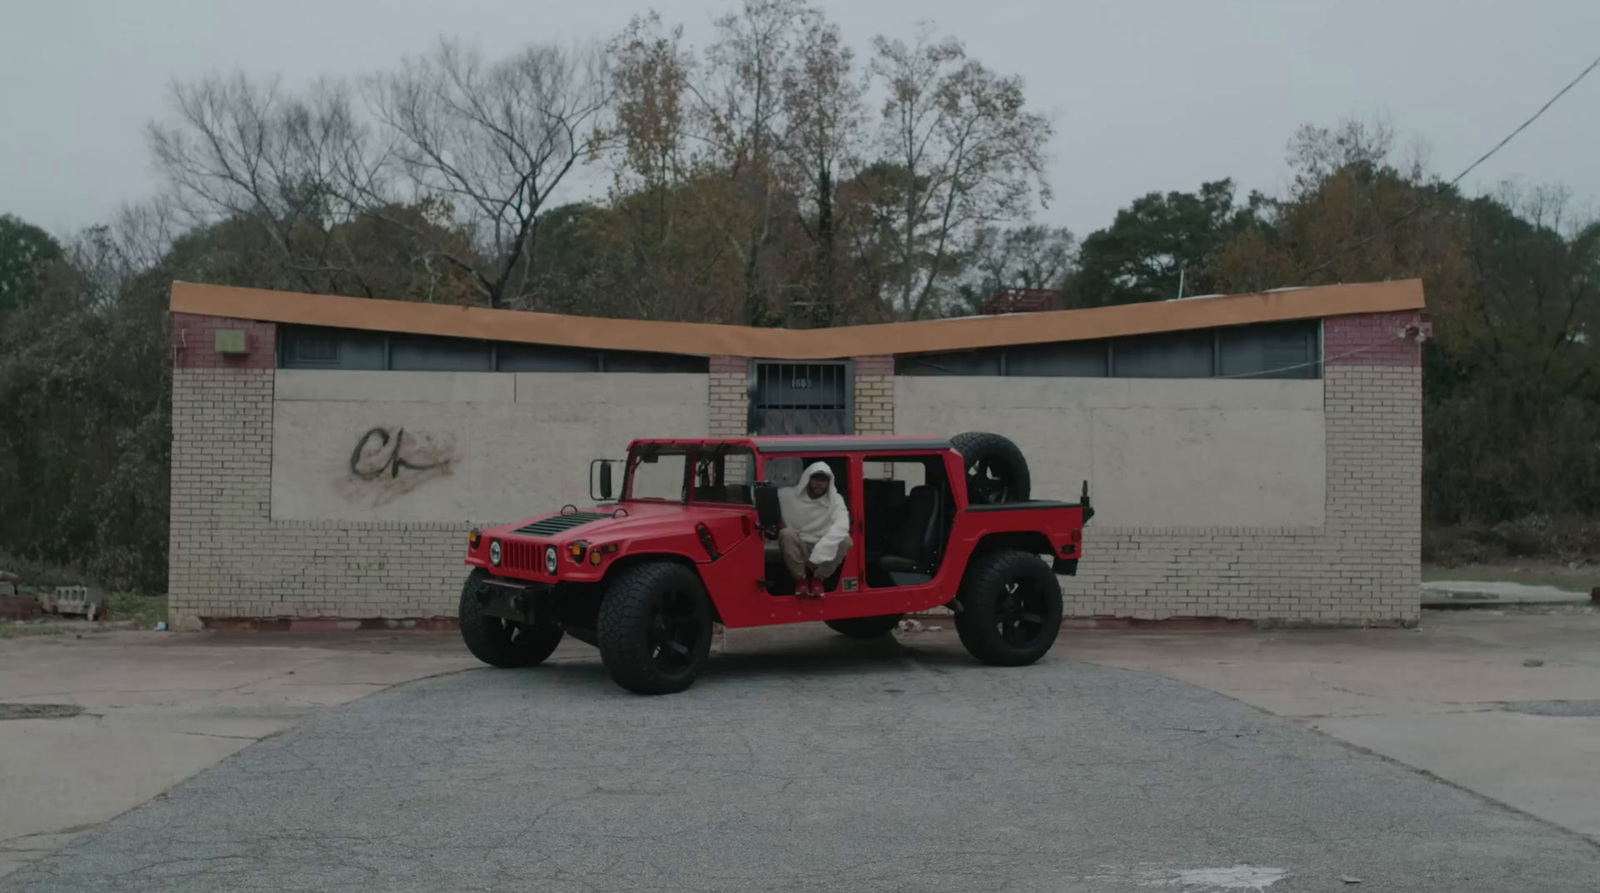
(1461, 176)
(1524, 126)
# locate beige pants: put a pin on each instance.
(797, 555)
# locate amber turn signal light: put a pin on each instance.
(474, 538)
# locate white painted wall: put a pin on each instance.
(1157, 452)
(502, 446)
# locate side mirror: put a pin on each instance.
(604, 482)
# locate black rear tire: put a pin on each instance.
(655, 628)
(1010, 608)
(996, 469)
(498, 642)
(866, 627)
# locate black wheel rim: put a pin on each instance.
(1020, 611)
(674, 632)
(512, 632)
(986, 482)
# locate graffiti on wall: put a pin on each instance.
(388, 463)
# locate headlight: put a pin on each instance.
(494, 552)
(550, 560)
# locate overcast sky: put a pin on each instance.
(1146, 95)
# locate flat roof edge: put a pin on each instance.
(707, 339)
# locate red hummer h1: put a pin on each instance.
(693, 540)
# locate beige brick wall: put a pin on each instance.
(874, 395)
(228, 559)
(730, 396)
(1362, 566)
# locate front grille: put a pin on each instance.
(527, 557)
(560, 523)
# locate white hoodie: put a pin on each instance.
(825, 520)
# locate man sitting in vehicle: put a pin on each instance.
(816, 529)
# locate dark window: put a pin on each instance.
(1285, 350)
(1078, 359)
(1168, 355)
(970, 362)
(310, 347)
(656, 363)
(545, 358)
(1270, 350)
(317, 348)
(305, 347)
(433, 354)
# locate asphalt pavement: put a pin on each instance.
(807, 762)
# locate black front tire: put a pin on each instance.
(498, 642)
(1010, 608)
(865, 627)
(655, 628)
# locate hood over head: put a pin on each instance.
(812, 471)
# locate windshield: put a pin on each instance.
(656, 474)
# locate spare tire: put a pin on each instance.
(996, 470)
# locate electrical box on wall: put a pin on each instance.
(231, 342)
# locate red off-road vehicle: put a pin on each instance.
(692, 541)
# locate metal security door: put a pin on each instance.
(803, 398)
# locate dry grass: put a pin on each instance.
(124, 611)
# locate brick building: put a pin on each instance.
(1254, 457)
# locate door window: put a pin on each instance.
(724, 476)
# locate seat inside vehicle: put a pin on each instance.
(906, 531)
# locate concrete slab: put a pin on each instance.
(1456, 593)
(1543, 765)
(808, 763)
(160, 707)
(1433, 698)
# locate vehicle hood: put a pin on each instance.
(601, 523)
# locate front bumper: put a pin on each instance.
(516, 600)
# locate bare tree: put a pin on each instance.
(741, 141)
(970, 152)
(244, 151)
(650, 126)
(495, 141)
(740, 105)
(822, 144)
(1031, 256)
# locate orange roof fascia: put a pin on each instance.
(705, 339)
